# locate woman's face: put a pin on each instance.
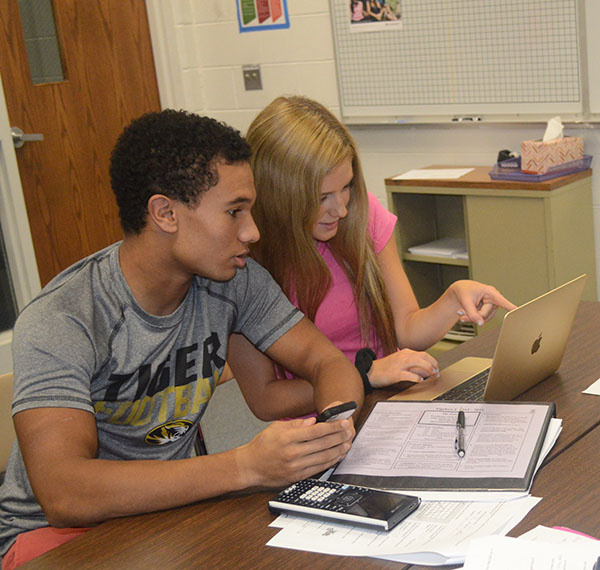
(335, 195)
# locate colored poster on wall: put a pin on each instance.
(255, 15)
(374, 15)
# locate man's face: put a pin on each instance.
(213, 237)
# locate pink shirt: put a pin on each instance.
(357, 12)
(337, 317)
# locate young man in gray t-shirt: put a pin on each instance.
(117, 358)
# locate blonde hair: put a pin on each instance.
(295, 143)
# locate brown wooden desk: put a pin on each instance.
(568, 485)
(232, 532)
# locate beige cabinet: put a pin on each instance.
(523, 238)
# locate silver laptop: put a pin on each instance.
(530, 348)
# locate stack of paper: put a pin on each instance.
(410, 447)
(538, 549)
(437, 533)
(445, 247)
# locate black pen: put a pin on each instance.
(459, 442)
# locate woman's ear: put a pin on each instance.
(162, 213)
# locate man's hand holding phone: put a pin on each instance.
(339, 412)
(300, 448)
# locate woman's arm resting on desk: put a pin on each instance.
(270, 397)
(406, 365)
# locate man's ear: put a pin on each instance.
(162, 213)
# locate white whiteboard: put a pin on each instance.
(502, 59)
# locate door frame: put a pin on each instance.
(15, 229)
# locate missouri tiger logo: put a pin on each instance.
(168, 432)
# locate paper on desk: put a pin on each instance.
(436, 532)
(501, 552)
(429, 559)
(416, 440)
(433, 174)
(554, 429)
(593, 389)
(557, 534)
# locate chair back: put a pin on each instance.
(7, 429)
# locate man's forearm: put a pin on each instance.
(280, 397)
(337, 379)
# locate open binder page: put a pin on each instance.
(411, 445)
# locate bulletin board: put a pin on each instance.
(463, 60)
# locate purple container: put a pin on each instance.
(511, 170)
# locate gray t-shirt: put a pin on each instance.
(85, 343)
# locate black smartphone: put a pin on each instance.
(340, 412)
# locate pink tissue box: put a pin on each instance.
(537, 156)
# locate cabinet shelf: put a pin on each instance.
(434, 259)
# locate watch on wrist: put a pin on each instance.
(363, 362)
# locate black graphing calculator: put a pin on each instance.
(380, 510)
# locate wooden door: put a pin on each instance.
(109, 78)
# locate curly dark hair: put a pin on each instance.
(172, 153)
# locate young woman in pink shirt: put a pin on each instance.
(329, 244)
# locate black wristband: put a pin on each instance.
(363, 362)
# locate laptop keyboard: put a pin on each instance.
(470, 390)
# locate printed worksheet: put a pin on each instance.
(410, 441)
